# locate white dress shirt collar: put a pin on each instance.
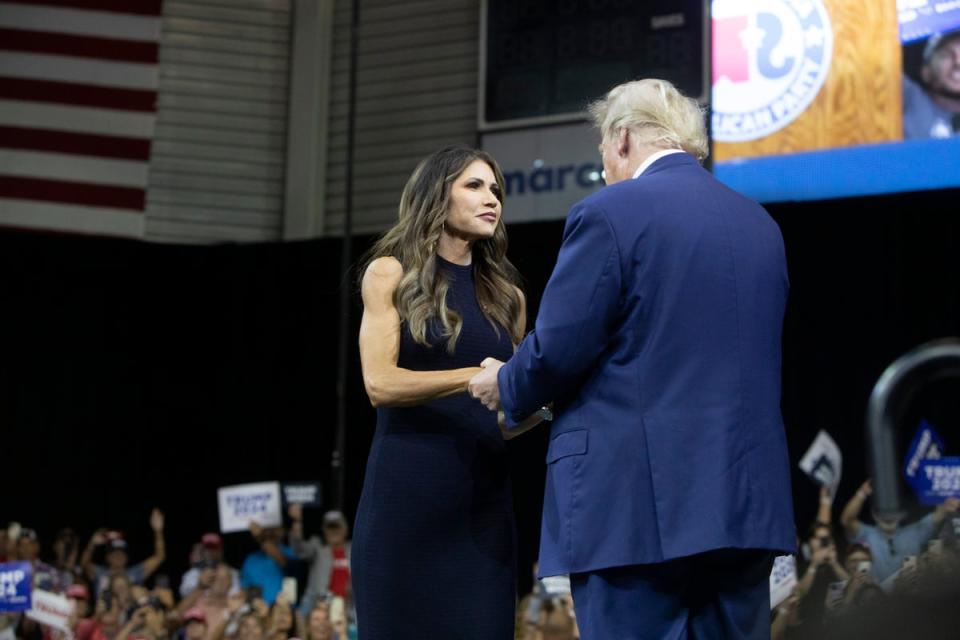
(653, 158)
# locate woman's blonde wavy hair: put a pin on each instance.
(422, 292)
(655, 110)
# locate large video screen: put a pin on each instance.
(820, 99)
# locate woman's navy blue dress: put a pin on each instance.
(433, 551)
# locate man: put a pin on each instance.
(45, 577)
(933, 111)
(117, 558)
(147, 621)
(329, 558)
(194, 624)
(889, 540)
(658, 340)
(264, 568)
(211, 555)
(211, 596)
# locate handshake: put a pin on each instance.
(483, 386)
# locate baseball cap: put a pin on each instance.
(934, 42)
(78, 592)
(28, 534)
(211, 540)
(116, 544)
(334, 517)
(195, 614)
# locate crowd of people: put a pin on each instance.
(856, 569)
(844, 569)
(120, 600)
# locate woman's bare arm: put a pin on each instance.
(387, 384)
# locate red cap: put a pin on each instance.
(78, 591)
(196, 614)
(211, 540)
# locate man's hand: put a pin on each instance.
(295, 511)
(484, 387)
(156, 520)
(256, 530)
(950, 505)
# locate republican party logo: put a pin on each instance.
(770, 58)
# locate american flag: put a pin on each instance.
(78, 91)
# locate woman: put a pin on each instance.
(433, 550)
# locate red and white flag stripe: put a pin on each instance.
(78, 91)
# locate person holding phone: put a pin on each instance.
(439, 296)
(890, 540)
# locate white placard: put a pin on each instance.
(823, 461)
(51, 609)
(783, 578)
(240, 504)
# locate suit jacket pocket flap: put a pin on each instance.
(570, 443)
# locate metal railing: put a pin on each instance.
(888, 403)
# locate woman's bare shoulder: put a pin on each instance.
(384, 273)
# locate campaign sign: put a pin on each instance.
(926, 445)
(51, 609)
(783, 578)
(16, 585)
(240, 504)
(823, 461)
(938, 480)
(307, 494)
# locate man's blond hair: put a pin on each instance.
(656, 112)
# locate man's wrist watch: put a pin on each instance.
(544, 413)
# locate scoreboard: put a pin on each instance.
(544, 61)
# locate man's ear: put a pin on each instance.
(623, 142)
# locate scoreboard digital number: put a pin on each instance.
(544, 61)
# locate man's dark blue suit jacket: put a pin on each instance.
(658, 340)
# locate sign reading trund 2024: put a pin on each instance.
(771, 57)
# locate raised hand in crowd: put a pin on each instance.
(824, 510)
(850, 515)
(151, 564)
(269, 541)
(946, 508)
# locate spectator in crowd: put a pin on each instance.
(120, 593)
(252, 627)
(117, 558)
(194, 624)
(66, 552)
(105, 622)
(319, 626)
(211, 595)
(264, 568)
(4, 540)
(861, 588)
(211, 555)
(280, 624)
(79, 597)
(147, 621)
(889, 540)
(540, 617)
(823, 554)
(933, 109)
(28, 550)
(329, 558)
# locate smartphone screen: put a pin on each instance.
(289, 589)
